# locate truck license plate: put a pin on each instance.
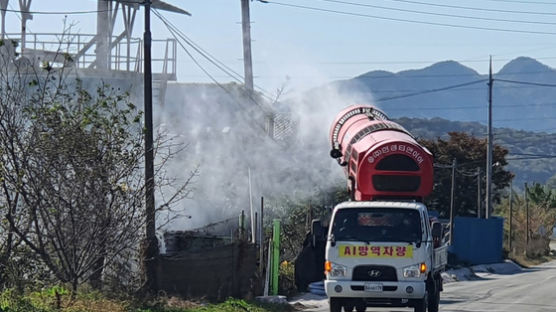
(375, 287)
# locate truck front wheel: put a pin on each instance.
(421, 304)
(335, 305)
(434, 300)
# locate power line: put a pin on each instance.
(430, 91)
(527, 83)
(526, 119)
(468, 107)
(410, 21)
(172, 31)
(531, 158)
(220, 65)
(439, 14)
(523, 2)
(535, 155)
(475, 8)
(54, 12)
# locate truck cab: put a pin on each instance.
(382, 253)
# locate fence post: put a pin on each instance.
(275, 256)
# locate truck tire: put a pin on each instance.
(421, 304)
(335, 305)
(360, 308)
(349, 308)
(434, 300)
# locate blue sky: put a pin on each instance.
(306, 47)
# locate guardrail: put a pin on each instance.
(124, 55)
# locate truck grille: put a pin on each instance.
(374, 273)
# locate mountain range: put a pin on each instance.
(523, 95)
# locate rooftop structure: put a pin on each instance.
(100, 54)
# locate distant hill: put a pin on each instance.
(521, 144)
(517, 106)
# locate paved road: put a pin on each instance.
(533, 290)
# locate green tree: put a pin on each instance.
(470, 154)
(72, 173)
(542, 195)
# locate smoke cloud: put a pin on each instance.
(226, 133)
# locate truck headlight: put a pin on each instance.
(334, 269)
(411, 271)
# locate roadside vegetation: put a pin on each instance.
(534, 210)
(72, 189)
(57, 299)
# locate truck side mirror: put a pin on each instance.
(436, 232)
(332, 240)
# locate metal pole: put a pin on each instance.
(24, 6)
(479, 192)
(452, 194)
(152, 244)
(255, 231)
(511, 216)
(527, 219)
(275, 256)
(489, 146)
(242, 226)
(251, 216)
(261, 238)
(247, 62)
(102, 36)
(267, 278)
(3, 6)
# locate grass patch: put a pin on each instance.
(230, 305)
(48, 301)
(526, 262)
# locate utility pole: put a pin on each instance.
(102, 37)
(452, 194)
(479, 192)
(511, 216)
(4, 7)
(151, 251)
(247, 61)
(527, 219)
(24, 7)
(489, 146)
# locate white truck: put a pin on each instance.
(383, 253)
(382, 248)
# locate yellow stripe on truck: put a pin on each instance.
(370, 251)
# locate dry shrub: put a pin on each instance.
(541, 221)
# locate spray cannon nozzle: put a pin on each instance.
(335, 153)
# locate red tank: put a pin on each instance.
(380, 158)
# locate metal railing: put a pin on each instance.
(124, 55)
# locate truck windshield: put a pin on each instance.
(377, 225)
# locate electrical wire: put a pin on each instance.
(430, 91)
(232, 96)
(527, 83)
(475, 8)
(439, 14)
(523, 2)
(220, 65)
(54, 12)
(531, 158)
(470, 107)
(409, 20)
